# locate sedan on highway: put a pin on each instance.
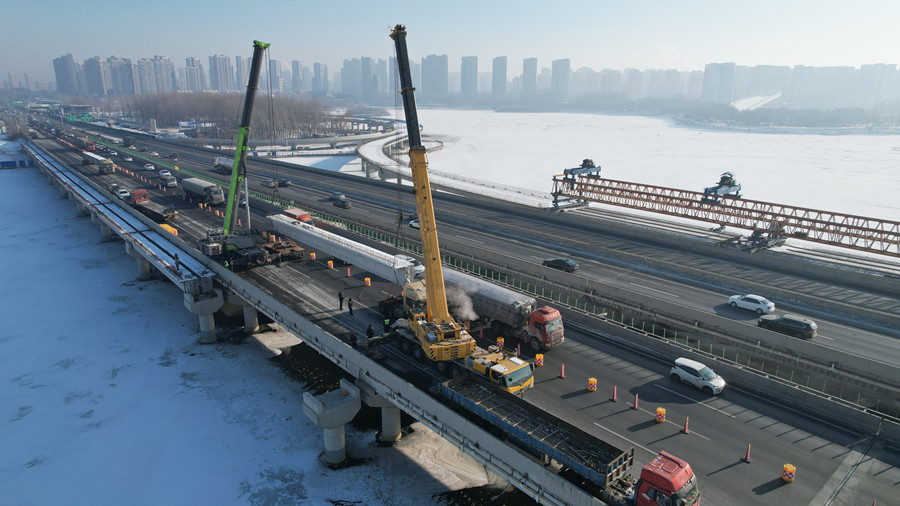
(127, 158)
(694, 373)
(414, 224)
(752, 302)
(149, 166)
(342, 203)
(123, 194)
(164, 173)
(563, 264)
(790, 324)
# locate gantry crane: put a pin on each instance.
(442, 338)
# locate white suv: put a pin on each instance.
(694, 373)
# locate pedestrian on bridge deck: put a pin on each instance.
(354, 342)
(370, 332)
(350, 306)
(340, 299)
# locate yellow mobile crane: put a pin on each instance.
(442, 338)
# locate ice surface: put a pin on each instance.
(107, 398)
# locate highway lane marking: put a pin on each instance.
(648, 450)
(694, 400)
(468, 239)
(654, 290)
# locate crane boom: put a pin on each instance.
(238, 169)
(441, 336)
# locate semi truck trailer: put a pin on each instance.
(209, 193)
(140, 200)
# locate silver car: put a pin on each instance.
(694, 373)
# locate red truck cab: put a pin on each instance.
(546, 324)
(139, 196)
(667, 481)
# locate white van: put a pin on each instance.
(418, 268)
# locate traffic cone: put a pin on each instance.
(518, 349)
(685, 428)
(615, 392)
(746, 458)
(562, 371)
(348, 271)
(635, 401)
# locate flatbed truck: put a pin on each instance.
(594, 465)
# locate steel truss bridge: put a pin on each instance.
(835, 229)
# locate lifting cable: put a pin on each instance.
(270, 99)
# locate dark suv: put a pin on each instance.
(789, 324)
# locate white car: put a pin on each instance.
(414, 224)
(127, 158)
(123, 194)
(752, 302)
(164, 173)
(694, 373)
(149, 166)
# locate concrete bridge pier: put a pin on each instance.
(82, 210)
(63, 191)
(106, 233)
(331, 411)
(390, 414)
(143, 265)
(366, 168)
(205, 305)
(251, 315)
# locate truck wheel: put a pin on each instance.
(404, 346)
(443, 368)
(418, 354)
(535, 344)
(456, 371)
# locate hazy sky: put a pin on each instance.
(597, 33)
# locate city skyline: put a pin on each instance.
(596, 35)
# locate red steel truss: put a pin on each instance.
(856, 232)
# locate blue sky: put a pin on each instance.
(599, 34)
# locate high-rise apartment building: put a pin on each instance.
(297, 84)
(64, 69)
(498, 77)
(194, 76)
(96, 76)
(320, 80)
(560, 76)
(276, 80)
(468, 76)
(221, 75)
(164, 73)
(121, 73)
(529, 75)
(718, 83)
(435, 79)
(146, 76)
(241, 76)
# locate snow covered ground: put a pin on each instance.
(107, 398)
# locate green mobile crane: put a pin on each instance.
(246, 248)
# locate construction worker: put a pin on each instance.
(387, 325)
(350, 306)
(354, 342)
(370, 332)
(341, 300)
(177, 263)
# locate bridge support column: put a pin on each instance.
(82, 210)
(205, 305)
(63, 191)
(106, 234)
(143, 265)
(251, 315)
(390, 415)
(365, 168)
(331, 411)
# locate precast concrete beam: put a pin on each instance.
(204, 306)
(331, 411)
(390, 414)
